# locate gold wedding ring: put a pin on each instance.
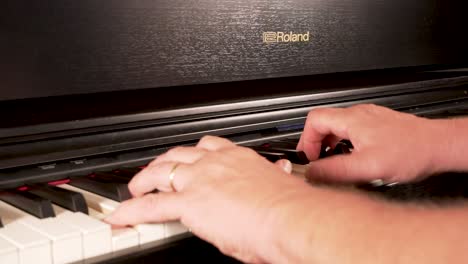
(171, 176)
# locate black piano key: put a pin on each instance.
(129, 170)
(341, 148)
(287, 143)
(323, 152)
(110, 177)
(67, 199)
(271, 156)
(28, 202)
(348, 143)
(128, 173)
(293, 155)
(116, 191)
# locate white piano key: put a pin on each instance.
(96, 235)
(122, 238)
(65, 239)
(97, 202)
(8, 252)
(175, 228)
(148, 232)
(33, 247)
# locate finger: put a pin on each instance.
(285, 165)
(214, 143)
(355, 167)
(160, 207)
(180, 154)
(321, 123)
(157, 177)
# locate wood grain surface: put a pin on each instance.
(70, 47)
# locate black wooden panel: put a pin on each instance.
(61, 47)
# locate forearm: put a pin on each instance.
(343, 227)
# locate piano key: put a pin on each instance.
(126, 172)
(110, 177)
(70, 200)
(8, 252)
(299, 170)
(28, 202)
(147, 232)
(347, 143)
(122, 238)
(341, 148)
(61, 236)
(94, 201)
(96, 235)
(150, 232)
(270, 155)
(174, 228)
(115, 191)
(293, 155)
(324, 152)
(286, 143)
(32, 247)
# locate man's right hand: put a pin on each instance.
(388, 145)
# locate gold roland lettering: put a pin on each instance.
(283, 37)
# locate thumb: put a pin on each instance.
(347, 168)
(285, 165)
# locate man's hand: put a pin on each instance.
(388, 145)
(226, 194)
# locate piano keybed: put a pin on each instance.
(61, 221)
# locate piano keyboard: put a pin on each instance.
(70, 236)
(61, 221)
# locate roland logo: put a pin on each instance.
(285, 37)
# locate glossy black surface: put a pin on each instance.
(271, 155)
(113, 190)
(70, 200)
(28, 202)
(188, 250)
(71, 47)
(110, 177)
(295, 156)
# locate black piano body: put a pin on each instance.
(92, 86)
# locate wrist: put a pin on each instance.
(285, 228)
(450, 142)
(331, 226)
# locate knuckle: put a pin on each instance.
(316, 111)
(150, 201)
(239, 151)
(206, 139)
(175, 151)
